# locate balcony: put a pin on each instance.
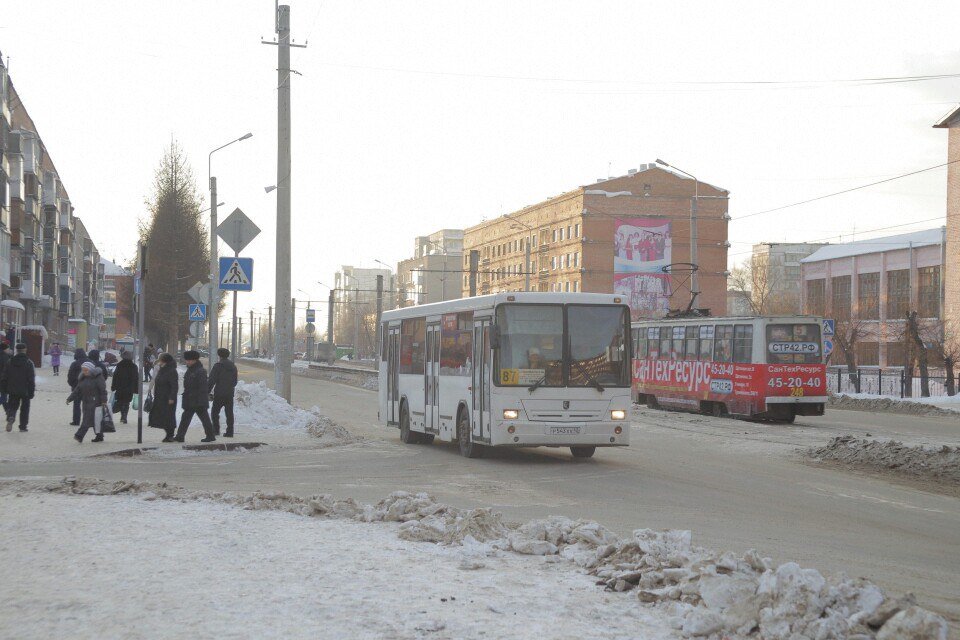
(28, 289)
(66, 221)
(66, 280)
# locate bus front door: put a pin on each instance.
(482, 368)
(393, 375)
(431, 380)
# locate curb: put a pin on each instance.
(213, 446)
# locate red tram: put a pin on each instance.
(756, 367)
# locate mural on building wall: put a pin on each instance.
(642, 247)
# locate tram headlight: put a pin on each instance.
(618, 414)
(511, 414)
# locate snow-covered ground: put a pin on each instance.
(122, 566)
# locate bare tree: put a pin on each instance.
(847, 334)
(919, 352)
(178, 247)
(762, 287)
(944, 340)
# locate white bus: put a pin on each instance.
(509, 369)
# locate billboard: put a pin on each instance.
(642, 247)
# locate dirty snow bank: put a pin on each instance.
(258, 406)
(941, 463)
(908, 406)
(703, 592)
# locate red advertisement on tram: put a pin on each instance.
(756, 367)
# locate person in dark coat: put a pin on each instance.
(73, 377)
(149, 355)
(19, 383)
(195, 398)
(94, 356)
(126, 381)
(91, 390)
(166, 381)
(4, 361)
(222, 382)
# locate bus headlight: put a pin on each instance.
(510, 414)
(618, 414)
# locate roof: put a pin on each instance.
(491, 300)
(112, 269)
(876, 245)
(948, 120)
(650, 166)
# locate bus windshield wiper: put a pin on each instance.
(590, 379)
(537, 384)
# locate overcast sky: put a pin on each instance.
(409, 117)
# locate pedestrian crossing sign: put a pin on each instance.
(197, 312)
(236, 274)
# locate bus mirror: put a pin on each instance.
(494, 337)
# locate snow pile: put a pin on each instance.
(940, 463)
(913, 407)
(258, 406)
(704, 592)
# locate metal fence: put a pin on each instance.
(893, 381)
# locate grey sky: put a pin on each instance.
(414, 116)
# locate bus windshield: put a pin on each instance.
(552, 345)
(793, 343)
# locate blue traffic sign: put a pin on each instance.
(311, 315)
(829, 327)
(827, 346)
(197, 312)
(236, 274)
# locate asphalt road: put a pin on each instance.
(735, 484)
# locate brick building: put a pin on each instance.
(117, 303)
(616, 235)
(951, 122)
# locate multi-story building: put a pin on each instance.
(951, 122)
(433, 273)
(117, 304)
(869, 287)
(775, 275)
(355, 308)
(628, 235)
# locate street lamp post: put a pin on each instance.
(214, 266)
(694, 203)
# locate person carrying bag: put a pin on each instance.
(91, 390)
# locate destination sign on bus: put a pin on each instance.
(794, 347)
(521, 376)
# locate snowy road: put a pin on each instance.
(737, 485)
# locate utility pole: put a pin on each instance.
(356, 322)
(141, 298)
(330, 302)
(379, 308)
(214, 300)
(526, 266)
(270, 328)
(284, 349)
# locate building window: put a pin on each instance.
(554, 235)
(815, 297)
(840, 297)
(576, 259)
(566, 287)
(868, 354)
(566, 261)
(898, 293)
(569, 230)
(929, 284)
(576, 286)
(896, 354)
(868, 296)
(576, 230)
(533, 241)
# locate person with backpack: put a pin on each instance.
(222, 382)
(18, 381)
(126, 380)
(73, 378)
(195, 398)
(91, 391)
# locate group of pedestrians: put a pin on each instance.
(198, 389)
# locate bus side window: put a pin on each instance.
(743, 343)
(723, 343)
(691, 343)
(706, 343)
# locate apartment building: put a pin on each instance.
(434, 272)
(628, 235)
(872, 285)
(117, 304)
(355, 306)
(775, 275)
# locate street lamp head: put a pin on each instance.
(659, 161)
(270, 188)
(245, 136)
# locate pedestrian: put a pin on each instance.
(149, 355)
(94, 356)
(73, 377)
(223, 381)
(163, 413)
(11, 334)
(4, 361)
(55, 353)
(126, 380)
(19, 383)
(91, 391)
(195, 398)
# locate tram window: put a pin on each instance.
(665, 342)
(676, 351)
(723, 343)
(413, 334)
(653, 342)
(706, 342)
(743, 343)
(640, 340)
(690, 353)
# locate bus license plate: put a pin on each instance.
(563, 431)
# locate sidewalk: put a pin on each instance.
(50, 434)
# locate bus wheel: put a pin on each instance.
(407, 436)
(582, 452)
(468, 448)
(718, 410)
